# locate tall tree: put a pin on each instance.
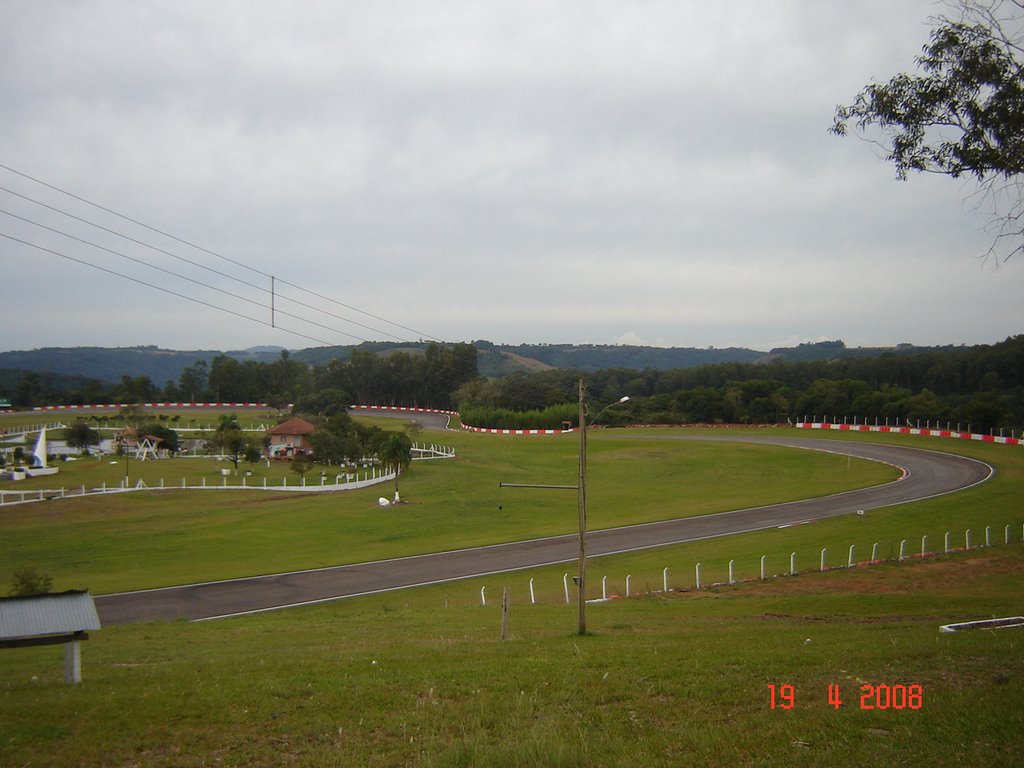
(964, 115)
(192, 381)
(395, 452)
(80, 435)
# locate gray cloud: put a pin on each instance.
(579, 172)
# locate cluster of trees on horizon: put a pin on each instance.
(978, 386)
(981, 386)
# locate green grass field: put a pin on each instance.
(420, 677)
(159, 538)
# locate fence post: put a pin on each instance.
(849, 560)
(565, 586)
(988, 535)
(823, 552)
(762, 566)
(504, 614)
(604, 587)
(664, 580)
(874, 552)
(533, 598)
(924, 545)
(698, 575)
(792, 563)
(967, 538)
(732, 579)
(628, 577)
(483, 598)
(946, 551)
(903, 549)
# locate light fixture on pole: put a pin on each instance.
(581, 489)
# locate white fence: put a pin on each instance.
(341, 482)
(989, 538)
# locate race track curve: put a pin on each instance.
(926, 474)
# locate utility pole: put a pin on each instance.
(581, 487)
(581, 490)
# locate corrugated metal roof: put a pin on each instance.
(41, 615)
(294, 426)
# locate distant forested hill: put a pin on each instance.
(111, 364)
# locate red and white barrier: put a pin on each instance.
(107, 406)
(405, 409)
(911, 431)
(494, 431)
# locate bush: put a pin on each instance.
(28, 581)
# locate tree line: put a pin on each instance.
(423, 378)
(980, 386)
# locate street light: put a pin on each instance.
(582, 500)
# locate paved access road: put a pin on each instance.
(926, 474)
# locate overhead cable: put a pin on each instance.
(124, 217)
(162, 289)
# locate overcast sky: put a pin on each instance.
(654, 173)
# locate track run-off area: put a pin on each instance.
(925, 474)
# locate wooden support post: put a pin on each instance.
(73, 662)
(504, 614)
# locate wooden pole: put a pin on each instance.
(504, 614)
(582, 497)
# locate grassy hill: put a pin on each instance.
(421, 677)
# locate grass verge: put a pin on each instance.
(665, 680)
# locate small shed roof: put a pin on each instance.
(62, 613)
(294, 426)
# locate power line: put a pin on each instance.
(163, 290)
(421, 334)
(175, 274)
(272, 293)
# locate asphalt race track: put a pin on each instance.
(926, 474)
